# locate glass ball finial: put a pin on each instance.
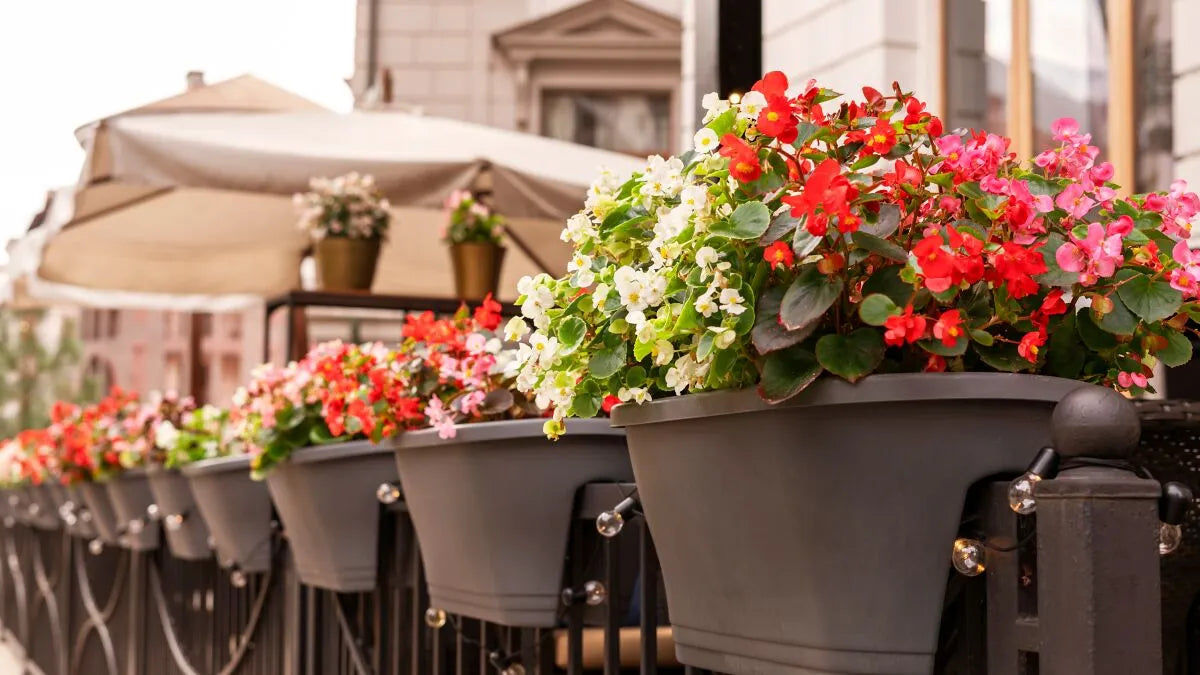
(435, 618)
(1169, 538)
(610, 523)
(95, 547)
(1020, 493)
(594, 593)
(387, 493)
(968, 557)
(173, 522)
(238, 578)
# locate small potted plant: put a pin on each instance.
(348, 220)
(909, 305)
(314, 430)
(206, 449)
(94, 430)
(72, 434)
(474, 234)
(490, 498)
(39, 499)
(119, 466)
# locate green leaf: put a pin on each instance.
(748, 221)
(1092, 335)
(983, 337)
(809, 297)
(851, 357)
(786, 373)
(803, 242)
(864, 162)
(887, 223)
(781, 226)
(1151, 300)
(1120, 321)
(768, 335)
(883, 247)
(1178, 350)
(934, 346)
(876, 308)
(586, 404)
(635, 376)
(888, 282)
(608, 361)
(706, 345)
(1003, 357)
(570, 334)
(1064, 353)
(723, 123)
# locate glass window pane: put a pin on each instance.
(636, 123)
(1069, 56)
(979, 49)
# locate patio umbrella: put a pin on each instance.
(213, 215)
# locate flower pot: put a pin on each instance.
(41, 510)
(236, 508)
(103, 516)
(492, 510)
(814, 536)
(187, 535)
(476, 269)
(345, 264)
(84, 524)
(131, 496)
(325, 497)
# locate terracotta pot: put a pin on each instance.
(814, 536)
(187, 534)
(345, 264)
(492, 508)
(325, 497)
(237, 510)
(476, 269)
(131, 498)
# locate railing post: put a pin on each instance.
(1098, 564)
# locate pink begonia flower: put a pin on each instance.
(449, 367)
(1128, 380)
(471, 401)
(476, 342)
(1073, 200)
(440, 418)
(1186, 278)
(1095, 257)
(1064, 128)
(1103, 172)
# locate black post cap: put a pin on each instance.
(1096, 422)
(1174, 504)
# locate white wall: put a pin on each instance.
(846, 44)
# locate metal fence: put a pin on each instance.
(1069, 591)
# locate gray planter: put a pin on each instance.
(814, 536)
(103, 516)
(237, 510)
(40, 507)
(131, 496)
(492, 509)
(84, 525)
(325, 496)
(187, 535)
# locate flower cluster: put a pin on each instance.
(803, 235)
(347, 206)
(199, 434)
(470, 221)
(443, 372)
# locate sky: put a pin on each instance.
(64, 63)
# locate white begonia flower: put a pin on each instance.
(705, 305)
(706, 256)
(713, 106)
(723, 336)
(663, 178)
(515, 329)
(600, 295)
(525, 285)
(636, 318)
(671, 223)
(751, 105)
(527, 380)
(655, 289)
(693, 198)
(635, 394)
(662, 352)
(663, 253)
(579, 262)
(544, 348)
(705, 141)
(583, 279)
(579, 229)
(646, 332)
(732, 301)
(631, 287)
(680, 375)
(165, 435)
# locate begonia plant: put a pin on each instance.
(349, 206)
(804, 234)
(470, 221)
(198, 434)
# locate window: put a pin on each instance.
(173, 371)
(114, 322)
(634, 123)
(1070, 67)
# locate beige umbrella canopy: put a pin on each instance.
(197, 204)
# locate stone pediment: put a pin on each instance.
(590, 29)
